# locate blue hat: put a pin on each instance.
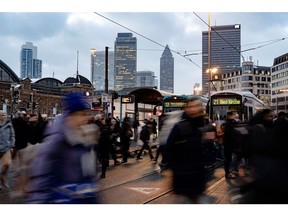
(75, 102)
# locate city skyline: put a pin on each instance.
(59, 36)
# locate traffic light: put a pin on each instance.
(114, 95)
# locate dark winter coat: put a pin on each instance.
(104, 144)
(125, 133)
(145, 134)
(229, 138)
(186, 156)
(21, 132)
(36, 132)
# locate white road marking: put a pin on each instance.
(145, 190)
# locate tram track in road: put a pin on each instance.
(170, 190)
(130, 180)
(156, 171)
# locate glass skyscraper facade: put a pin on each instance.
(167, 71)
(125, 61)
(225, 51)
(146, 79)
(98, 69)
(30, 66)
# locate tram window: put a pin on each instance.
(220, 112)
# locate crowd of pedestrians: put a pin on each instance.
(58, 161)
(257, 146)
(53, 159)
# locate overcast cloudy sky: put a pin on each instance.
(59, 35)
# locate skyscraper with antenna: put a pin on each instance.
(225, 51)
(167, 71)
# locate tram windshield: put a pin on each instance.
(219, 113)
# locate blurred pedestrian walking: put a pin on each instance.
(104, 143)
(208, 140)
(229, 142)
(145, 138)
(20, 125)
(7, 143)
(135, 126)
(219, 142)
(268, 156)
(125, 137)
(185, 152)
(63, 170)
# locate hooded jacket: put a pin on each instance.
(7, 136)
(65, 157)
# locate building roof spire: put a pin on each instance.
(77, 72)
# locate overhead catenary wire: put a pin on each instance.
(267, 43)
(141, 35)
(186, 53)
(274, 41)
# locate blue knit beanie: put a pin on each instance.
(75, 102)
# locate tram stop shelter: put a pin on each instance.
(146, 95)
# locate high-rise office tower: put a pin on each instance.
(30, 66)
(125, 61)
(98, 69)
(225, 51)
(167, 71)
(146, 79)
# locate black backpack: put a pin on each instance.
(144, 133)
(241, 137)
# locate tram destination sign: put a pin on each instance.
(226, 101)
(175, 104)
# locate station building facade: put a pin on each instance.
(43, 95)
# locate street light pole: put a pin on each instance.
(209, 59)
(105, 108)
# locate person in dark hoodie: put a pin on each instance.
(63, 169)
(20, 126)
(185, 153)
(36, 128)
(229, 143)
(145, 137)
(125, 137)
(104, 143)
